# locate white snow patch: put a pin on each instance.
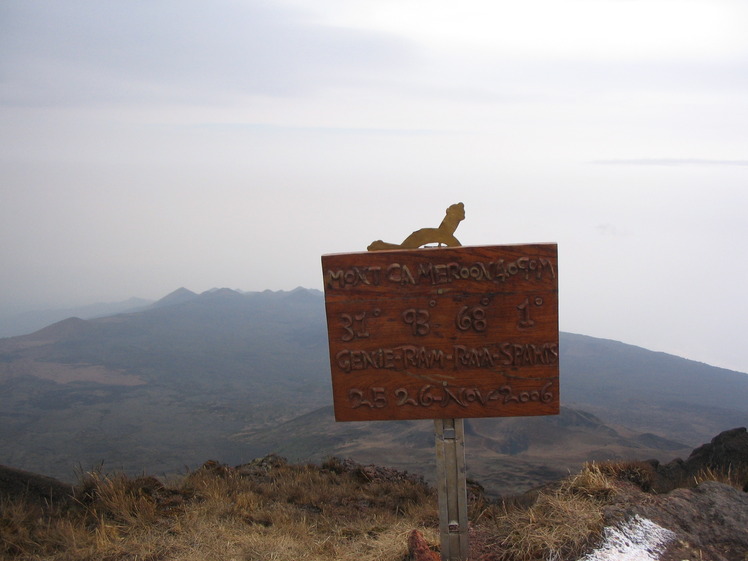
(637, 539)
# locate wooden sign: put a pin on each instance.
(443, 333)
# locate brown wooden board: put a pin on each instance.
(444, 332)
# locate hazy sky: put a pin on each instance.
(148, 145)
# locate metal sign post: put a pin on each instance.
(444, 333)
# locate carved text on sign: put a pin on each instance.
(444, 332)
(430, 395)
(411, 356)
(441, 273)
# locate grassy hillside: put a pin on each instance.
(270, 509)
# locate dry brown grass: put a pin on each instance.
(271, 511)
(562, 523)
(641, 474)
(737, 478)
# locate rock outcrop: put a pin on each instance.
(709, 521)
(726, 454)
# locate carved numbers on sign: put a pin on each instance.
(429, 395)
(354, 325)
(524, 312)
(471, 318)
(418, 321)
(374, 398)
(468, 318)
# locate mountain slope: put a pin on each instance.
(231, 375)
(160, 388)
(651, 391)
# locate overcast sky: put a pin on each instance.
(148, 145)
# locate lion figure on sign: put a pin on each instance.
(444, 234)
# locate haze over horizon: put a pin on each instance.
(148, 146)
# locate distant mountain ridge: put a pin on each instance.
(177, 297)
(234, 375)
(21, 323)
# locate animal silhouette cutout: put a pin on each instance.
(444, 234)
